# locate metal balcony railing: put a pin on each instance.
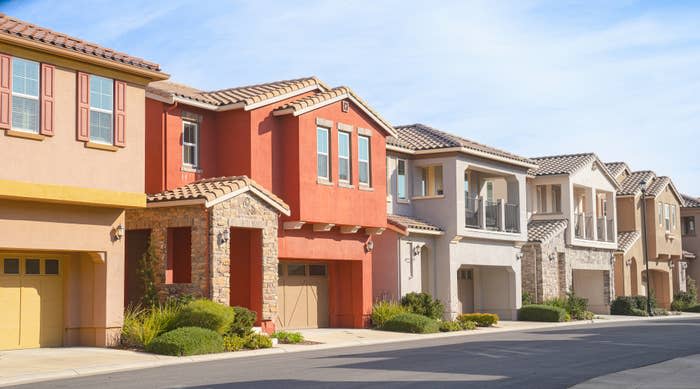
(601, 226)
(472, 206)
(512, 219)
(492, 214)
(589, 227)
(611, 230)
(579, 229)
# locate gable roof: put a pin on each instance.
(212, 191)
(568, 164)
(419, 137)
(630, 185)
(690, 202)
(15, 29)
(543, 230)
(317, 100)
(616, 168)
(413, 224)
(246, 97)
(627, 239)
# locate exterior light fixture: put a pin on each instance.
(628, 262)
(224, 236)
(416, 250)
(119, 232)
(671, 264)
(518, 256)
(369, 246)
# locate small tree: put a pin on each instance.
(147, 275)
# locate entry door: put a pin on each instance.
(465, 289)
(302, 295)
(31, 301)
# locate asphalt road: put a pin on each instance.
(557, 358)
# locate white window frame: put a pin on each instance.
(667, 217)
(367, 161)
(102, 110)
(347, 159)
(326, 154)
(399, 161)
(28, 97)
(194, 145)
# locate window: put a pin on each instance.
(101, 109)
(179, 255)
(25, 95)
(401, 182)
(541, 198)
(363, 157)
(51, 266)
(667, 217)
(322, 163)
(190, 144)
(317, 270)
(431, 181)
(343, 157)
(10, 266)
(296, 270)
(32, 266)
(661, 215)
(556, 198)
(688, 225)
(489, 191)
(673, 217)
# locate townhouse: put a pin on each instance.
(457, 221)
(72, 138)
(690, 215)
(266, 196)
(660, 223)
(572, 233)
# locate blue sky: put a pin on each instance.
(536, 78)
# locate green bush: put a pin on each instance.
(205, 314)
(541, 312)
(559, 302)
(575, 306)
(468, 325)
(423, 304)
(142, 325)
(527, 299)
(695, 309)
(411, 323)
(638, 312)
(687, 299)
(256, 341)
(243, 321)
(234, 343)
(450, 326)
(481, 319)
(660, 312)
(383, 311)
(187, 341)
(630, 306)
(288, 337)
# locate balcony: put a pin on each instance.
(583, 228)
(491, 215)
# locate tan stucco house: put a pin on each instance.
(690, 215)
(72, 140)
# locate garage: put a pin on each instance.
(590, 284)
(31, 295)
(302, 295)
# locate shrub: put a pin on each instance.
(638, 312)
(527, 299)
(468, 325)
(576, 306)
(187, 341)
(234, 343)
(541, 312)
(288, 337)
(587, 315)
(695, 308)
(629, 306)
(205, 314)
(243, 321)
(146, 273)
(256, 341)
(384, 311)
(481, 319)
(180, 300)
(450, 326)
(142, 325)
(559, 302)
(423, 304)
(411, 323)
(660, 312)
(689, 298)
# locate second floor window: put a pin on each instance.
(660, 215)
(431, 181)
(667, 217)
(190, 144)
(541, 198)
(101, 109)
(25, 95)
(489, 191)
(688, 225)
(673, 217)
(363, 158)
(343, 157)
(322, 162)
(401, 179)
(556, 198)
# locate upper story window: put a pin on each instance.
(190, 144)
(688, 225)
(673, 217)
(343, 157)
(25, 95)
(489, 191)
(363, 158)
(667, 217)
(101, 109)
(541, 198)
(431, 181)
(401, 182)
(322, 151)
(660, 215)
(556, 198)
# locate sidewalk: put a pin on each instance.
(33, 365)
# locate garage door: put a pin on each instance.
(302, 295)
(31, 301)
(590, 284)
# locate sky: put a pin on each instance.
(537, 78)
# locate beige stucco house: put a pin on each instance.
(690, 215)
(72, 140)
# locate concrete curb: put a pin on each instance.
(159, 361)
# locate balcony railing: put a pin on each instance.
(601, 226)
(589, 227)
(611, 230)
(491, 215)
(512, 218)
(472, 206)
(579, 229)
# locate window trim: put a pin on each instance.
(195, 145)
(405, 179)
(36, 98)
(348, 158)
(366, 138)
(326, 154)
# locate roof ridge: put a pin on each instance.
(591, 154)
(314, 78)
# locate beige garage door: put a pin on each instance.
(31, 301)
(302, 295)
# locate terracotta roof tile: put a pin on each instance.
(657, 186)
(627, 239)
(544, 230)
(616, 168)
(406, 222)
(562, 164)
(630, 185)
(690, 202)
(18, 28)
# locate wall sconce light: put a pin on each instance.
(416, 250)
(369, 246)
(518, 256)
(224, 236)
(552, 256)
(628, 262)
(119, 232)
(684, 265)
(671, 265)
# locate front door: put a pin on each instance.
(302, 295)
(465, 289)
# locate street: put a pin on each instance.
(556, 358)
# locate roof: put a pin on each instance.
(658, 185)
(690, 202)
(242, 96)
(212, 191)
(630, 185)
(627, 239)
(544, 230)
(616, 168)
(688, 255)
(13, 27)
(412, 223)
(419, 137)
(322, 98)
(569, 164)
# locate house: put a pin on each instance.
(662, 226)
(690, 215)
(313, 159)
(72, 139)
(572, 232)
(457, 216)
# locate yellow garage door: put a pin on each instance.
(31, 301)
(302, 295)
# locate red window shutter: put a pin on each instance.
(83, 107)
(47, 99)
(5, 91)
(120, 113)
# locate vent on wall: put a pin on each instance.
(345, 106)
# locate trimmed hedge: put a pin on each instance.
(423, 304)
(694, 308)
(481, 319)
(468, 325)
(383, 311)
(187, 341)
(411, 323)
(539, 312)
(450, 326)
(286, 337)
(243, 321)
(205, 314)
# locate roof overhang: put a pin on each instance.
(463, 150)
(220, 199)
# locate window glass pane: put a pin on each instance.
(401, 179)
(25, 77)
(296, 270)
(363, 148)
(322, 165)
(51, 266)
(343, 144)
(101, 93)
(344, 169)
(322, 140)
(25, 114)
(32, 266)
(364, 172)
(317, 270)
(11, 266)
(101, 127)
(322, 152)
